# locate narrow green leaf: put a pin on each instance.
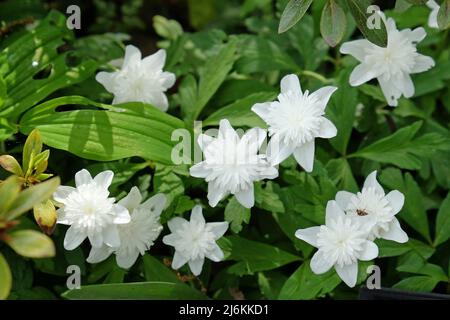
(417, 283)
(443, 222)
(358, 9)
(31, 244)
(135, 291)
(154, 270)
(333, 23)
(5, 278)
(294, 11)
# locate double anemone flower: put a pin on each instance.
(233, 163)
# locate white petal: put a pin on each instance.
(155, 61)
(204, 140)
(390, 24)
(423, 63)
(327, 129)
(96, 239)
(323, 95)
(396, 200)
(74, 237)
(226, 131)
(62, 192)
(196, 265)
(155, 204)
(278, 151)
(304, 154)
(216, 254)
(215, 194)
(343, 199)
(395, 232)
(121, 215)
(370, 251)
(176, 223)
(246, 197)
(390, 91)
(104, 179)
(356, 48)
(82, 177)
(178, 260)
(159, 100)
(309, 235)
(62, 218)
(126, 258)
(106, 79)
(197, 216)
(199, 170)
(97, 255)
(320, 264)
(132, 56)
(111, 236)
(417, 35)
(291, 83)
(170, 239)
(269, 173)
(217, 228)
(406, 85)
(263, 110)
(348, 273)
(132, 199)
(253, 139)
(167, 79)
(362, 73)
(371, 182)
(333, 212)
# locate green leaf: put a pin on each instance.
(30, 197)
(32, 147)
(417, 283)
(122, 131)
(303, 284)
(135, 291)
(432, 80)
(267, 198)
(443, 17)
(167, 28)
(253, 256)
(31, 244)
(333, 23)
(239, 113)
(340, 172)
(9, 191)
(414, 211)
(372, 91)
(294, 11)
(443, 222)
(3, 94)
(358, 9)
(154, 270)
(341, 111)
(212, 75)
(5, 278)
(258, 54)
(389, 248)
(236, 215)
(403, 148)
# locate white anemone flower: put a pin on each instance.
(377, 206)
(295, 120)
(89, 211)
(139, 80)
(432, 18)
(195, 240)
(393, 65)
(341, 243)
(232, 164)
(137, 236)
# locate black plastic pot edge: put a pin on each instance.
(396, 294)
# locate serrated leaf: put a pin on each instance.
(236, 215)
(443, 222)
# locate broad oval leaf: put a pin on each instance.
(292, 14)
(116, 132)
(333, 23)
(137, 291)
(31, 244)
